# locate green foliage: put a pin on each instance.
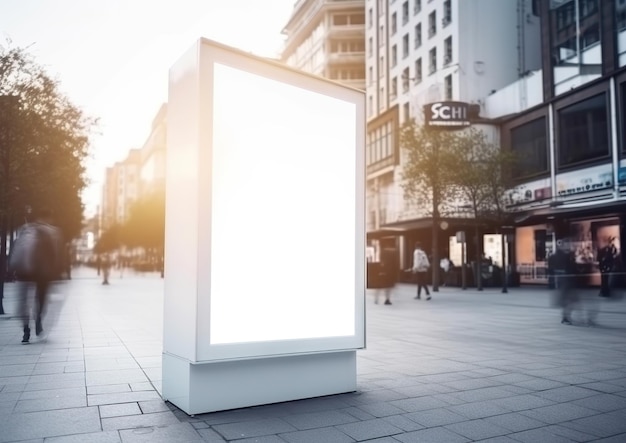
(429, 166)
(146, 225)
(109, 240)
(44, 141)
(483, 179)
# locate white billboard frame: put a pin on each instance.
(198, 140)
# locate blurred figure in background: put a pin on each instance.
(606, 263)
(105, 266)
(388, 274)
(36, 257)
(565, 279)
(421, 264)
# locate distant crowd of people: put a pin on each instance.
(571, 280)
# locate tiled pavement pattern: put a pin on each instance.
(465, 366)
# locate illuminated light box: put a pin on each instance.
(265, 235)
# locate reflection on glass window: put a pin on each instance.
(576, 43)
(620, 23)
(530, 147)
(584, 131)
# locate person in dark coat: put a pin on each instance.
(565, 280)
(606, 262)
(388, 274)
(40, 261)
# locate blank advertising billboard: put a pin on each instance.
(281, 235)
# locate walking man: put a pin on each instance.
(420, 269)
(36, 258)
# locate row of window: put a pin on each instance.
(418, 68)
(432, 18)
(583, 135)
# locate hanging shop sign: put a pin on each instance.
(447, 114)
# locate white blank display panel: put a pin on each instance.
(265, 220)
(283, 211)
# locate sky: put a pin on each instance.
(112, 57)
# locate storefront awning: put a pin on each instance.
(573, 210)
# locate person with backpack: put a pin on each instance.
(421, 264)
(35, 257)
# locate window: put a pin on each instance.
(394, 88)
(406, 111)
(447, 14)
(381, 98)
(447, 51)
(394, 23)
(448, 87)
(530, 147)
(370, 105)
(394, 55)
(405, 45)
(381, 35)
(432, 59)
(417, 6)
(381, 66)
(590, 36)
(432, 24)
(418, 70)
(370, 18)
(381, 7)
(370, 75)
(418, 35)
(406, 75)
(584, 131)
(405, 12)
(370, 47)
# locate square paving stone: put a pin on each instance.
(515, 422)
(119, 410)
(559, 413)
(477, 429)
(175, 433)
(480, 409)
(256, 428)
(319, 419)
(435, 417)
(431, 435)
(137, 421)
(369, 429)
(316, 436)
(16, 427)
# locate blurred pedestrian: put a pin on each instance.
(606, 263)
(388, 274)
(36, 258)
(105, 266)
(421, 264)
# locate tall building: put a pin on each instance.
(425, 51)
(121, 189)
(327, 38)
(152, 167)
(569, 137)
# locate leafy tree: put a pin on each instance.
(482, 182)
(44, 140)
(146, 226)
(428, 176)
(110, 240)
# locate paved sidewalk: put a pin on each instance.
(465, 366)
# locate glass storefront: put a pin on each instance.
(534, 244)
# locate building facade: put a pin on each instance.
(425, 51)
(568, 133)
(327, 38)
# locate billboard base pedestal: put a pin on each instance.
(198, 388)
